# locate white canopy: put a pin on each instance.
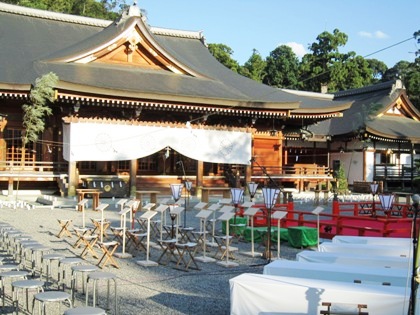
(88, 141)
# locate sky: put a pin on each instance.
(377, 29)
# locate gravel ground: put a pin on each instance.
(146, 290)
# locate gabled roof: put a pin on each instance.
(167, 66)
(382, 110)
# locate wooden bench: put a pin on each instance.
(343, 309)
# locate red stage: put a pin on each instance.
(347, 218)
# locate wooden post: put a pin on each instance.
(10, 187)
(199, 178)
(133, 177)
(73, 179)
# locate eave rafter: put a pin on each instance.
(316, 116)
(14, 95)
(179, 107)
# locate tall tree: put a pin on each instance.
(378, 69)
(352, 72)
(315, 67)
(254, 68)
(282, 68)
(223, 54)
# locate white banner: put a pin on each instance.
(115, 142)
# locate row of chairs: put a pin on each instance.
(27, 269)
(188, 240)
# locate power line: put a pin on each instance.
(388, 47)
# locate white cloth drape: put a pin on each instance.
(114, 142)
(275, 295)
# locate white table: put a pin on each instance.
(366, 249)
(337, 272)
(354, 259)
(264, 294)
(372, 240)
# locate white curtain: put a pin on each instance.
(114, 142)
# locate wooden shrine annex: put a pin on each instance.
(139, 107)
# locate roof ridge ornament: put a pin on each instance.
(132, 11)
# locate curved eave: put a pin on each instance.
(330, 107)
(381, 136)
(15, 91)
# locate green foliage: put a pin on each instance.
(254, 68)
(353, 72)
(224, 54)
(103, 9)
(282, 68)
(409, 73)
(41, 95)
(315, 67)
(342, 183)
(378, 69)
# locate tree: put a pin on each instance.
(103, 9)
(282, 68)
(254, 68)
(352, 72)
(315, 67)
(378, 69)
(34, 113)
(412, 78)
(398, 71)
(412, 84)
(224, 54)
(342, 182)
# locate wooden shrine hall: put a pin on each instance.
(139, 107)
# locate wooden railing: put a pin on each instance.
(33, 167)
(292, 170)
(396, 172)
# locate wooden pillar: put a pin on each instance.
(248, 174)
(133, 177)
(73, 179)
(199, 178)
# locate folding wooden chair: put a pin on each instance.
(168, 251)
(223, 245)
(118, 233)
(89, 241)
(135, 240)
(186, 253)
(98, 227)
(108, 249)
(80, 232)
(64, 224)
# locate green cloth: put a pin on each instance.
(237, 230)
(260, 232)
(302, 236)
